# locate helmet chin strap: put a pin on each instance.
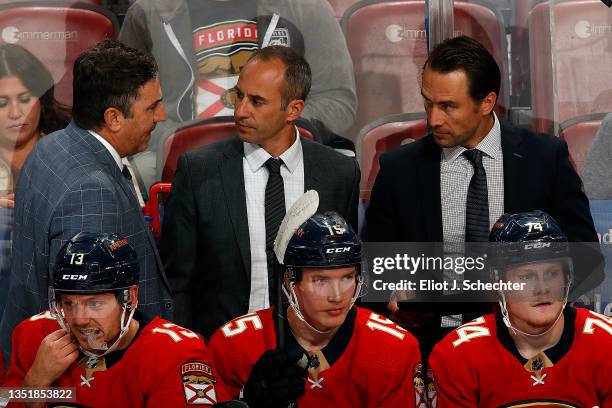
(294, 303)
(124, 327)
(508, 323)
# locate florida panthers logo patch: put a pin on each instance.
(198, 383)
(424, 388)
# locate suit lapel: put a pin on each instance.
(314, 171)
(233, 188)
(514, 167)
(103, 156)
(429, 184)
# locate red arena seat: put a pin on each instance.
(387, 43)
(56, 33)
(383, 135)
(579, 134)
(154, 208)
(574, 80)
(199, 133)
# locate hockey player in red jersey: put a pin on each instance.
(333, 354)
(536, 352)
(94, 339)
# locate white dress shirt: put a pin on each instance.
(255, 179)
(455, 174)
(120, 163)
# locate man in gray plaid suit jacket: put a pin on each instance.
(73, 181)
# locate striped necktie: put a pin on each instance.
(477, 204)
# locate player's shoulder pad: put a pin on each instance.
(249, 323)
(383, 347)
(45, 318)
(593, 327)
(382, 330)
(163, 332)
(471, 336)
(43, 323)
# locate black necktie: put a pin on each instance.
(126, 173)
(275, 201)
(477, 205)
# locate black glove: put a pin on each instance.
(276, 380)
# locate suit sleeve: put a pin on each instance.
(353, 203)
(178, 246)
(380, 222)
(573, 212)
(134, 31)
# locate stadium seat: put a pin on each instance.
(56, 32)
(387, 43)
(154, 208)
(199, 133)
(579, 134)
(382, 135)
(579, 83)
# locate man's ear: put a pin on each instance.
(487, 104)
(294, 110)
(113, 119)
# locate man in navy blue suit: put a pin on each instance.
(423, 192)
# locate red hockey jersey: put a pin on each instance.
(370, 362)
(478, 365)
(164, 366)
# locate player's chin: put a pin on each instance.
(545, 316)
(333, 318)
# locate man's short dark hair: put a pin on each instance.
(466, 54)
(298, 76)
(108, 75)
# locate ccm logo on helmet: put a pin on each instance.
(74, 277)
(537, 245)
(338, 250)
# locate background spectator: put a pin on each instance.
(201, 47)
(28, 111)
(597, 169)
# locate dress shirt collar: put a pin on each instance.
(490, 145)
(256, 156)
(109, 147)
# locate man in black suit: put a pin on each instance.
(452, 185)
(224, 208)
